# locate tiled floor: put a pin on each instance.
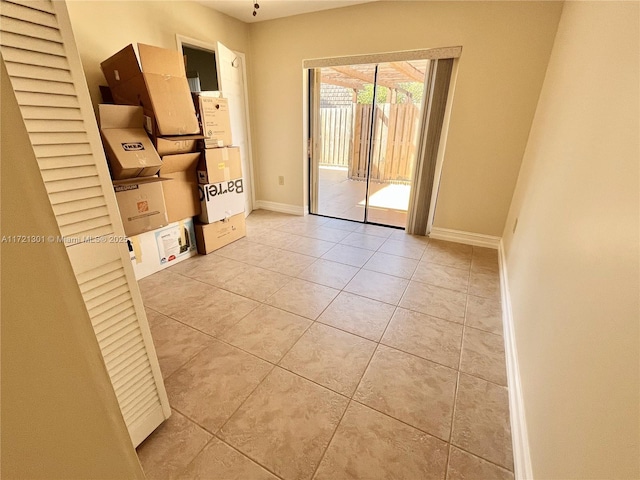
(318, 348)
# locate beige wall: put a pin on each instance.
(102, 28)
(60, 416)
(506, 48)
(573, 260)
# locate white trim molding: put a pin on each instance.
(468, 238)
(383, 57)
(519, 435)
(279, 207)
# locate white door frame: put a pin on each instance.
(192, 42)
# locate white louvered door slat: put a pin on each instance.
(39, 52)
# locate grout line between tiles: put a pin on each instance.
(455, 396)
(244, 401)
(247, 456)
(324, 453)
(404, 422)
(452, 445)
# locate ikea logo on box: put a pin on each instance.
(132, 146)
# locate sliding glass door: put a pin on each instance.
(365, 125)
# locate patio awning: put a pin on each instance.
(391, 75)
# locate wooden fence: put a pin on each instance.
(345, 140)
(336, 127)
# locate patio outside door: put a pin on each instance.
(365, 126)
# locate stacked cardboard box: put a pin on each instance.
(158, 84)
(133, 162)
(221, 187)
(152, 93)
(152, 131)
(146, 201)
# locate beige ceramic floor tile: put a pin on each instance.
(391, 265)
(484, 284)
(330, 357)
(360, 315)
(448, 253)
(377, 286)
(303, 298)
(416, 391)
(287, 263)
(272, 238)
(341, 225)
(362, 240)
(210, 387)
(218, 461)
(484, 313)
(427, 337)
(185, 267)
(171, 447)
(483, 356)
(370, 445)
(246, 251)
(175, 343)
(403, 236)
(442, 276)
(267, 332)
(296, 228)
(268, 219)
(353, 256)
(212, 269)
(485, 259)
(331, 274)
(165, 290)
(329, 234)
(407, 249)
(286, 424)
(256, 283)
(464, 466)
(375, 230)
(315, 220)
(309, 246)
(435, 301)
(213, 310)
(481, 420)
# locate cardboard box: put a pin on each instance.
(176, 144)
(181, 191)
(141, 204)
(221, 200)
(158, 83)
(219, 165)
(215, 120)
(158, 249)
(212, 236)
(129, 150)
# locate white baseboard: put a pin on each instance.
(468, 238)
(279, 207)
(519, 435)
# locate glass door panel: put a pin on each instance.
(342, 165)
(395, 132)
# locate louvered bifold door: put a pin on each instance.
(40, 54)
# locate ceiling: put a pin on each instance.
(270, 9)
